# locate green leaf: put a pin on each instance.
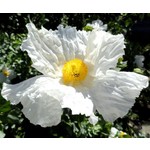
(138, 70)
(88, 28)
(5, 107)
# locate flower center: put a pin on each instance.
(6, 73)
(74, 71)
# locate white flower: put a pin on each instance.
(77, 68)
(115, 133)
(7, 75)
(139, 60)
(98, 25)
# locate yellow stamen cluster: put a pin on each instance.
(74, 71)
(6, 72)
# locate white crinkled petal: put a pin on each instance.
(43, 99)
(45, 50)
(40, 97)
(73, 42)
(42, 109)
(104, 50)
(78, 103)
(115, 93)
(49, 50)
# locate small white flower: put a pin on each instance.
(115, 133)
(77, 68)
(98, 25)
(139, 61)
(7, 75)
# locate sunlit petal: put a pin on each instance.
(115, 94)
(104, 50)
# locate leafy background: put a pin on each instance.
(136, 29)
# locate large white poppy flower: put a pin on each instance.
(77, 68)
